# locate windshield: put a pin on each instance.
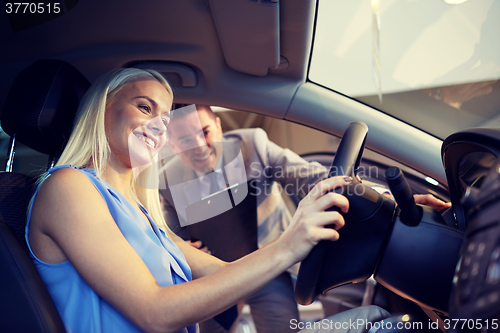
(432, 64)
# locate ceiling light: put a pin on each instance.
(432, 181)
(454, 2)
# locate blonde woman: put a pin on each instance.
(93, 232)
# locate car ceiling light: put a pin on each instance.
(432, 181)
(454, 2)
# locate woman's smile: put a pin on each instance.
(150, 141)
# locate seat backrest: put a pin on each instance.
(25, 303)
(39, 111)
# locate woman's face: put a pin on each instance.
(136, 121)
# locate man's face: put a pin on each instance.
(196, 138)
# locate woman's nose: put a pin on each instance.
(156, 124)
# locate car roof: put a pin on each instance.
(96, 36)
(251, 55)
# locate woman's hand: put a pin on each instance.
(309, 222)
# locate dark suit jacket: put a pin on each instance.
(261, 160)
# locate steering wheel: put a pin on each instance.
(415, 258)
(361, 239)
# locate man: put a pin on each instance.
(203, 153)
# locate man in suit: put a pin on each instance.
(207, 160)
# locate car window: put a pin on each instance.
(413, 60)
(315, 145)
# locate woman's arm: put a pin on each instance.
(63, 227)
(200, 262)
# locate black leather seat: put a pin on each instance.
(38, 112)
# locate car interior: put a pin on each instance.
(353, 85)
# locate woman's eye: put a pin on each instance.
(205, 133)
(145, 108)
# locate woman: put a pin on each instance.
(92, 233)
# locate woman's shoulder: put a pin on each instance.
(70, 171)
(64, 199)
(63, 182)
(66, 175)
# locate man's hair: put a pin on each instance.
(188, 109)
(88, 143)
(206, 108)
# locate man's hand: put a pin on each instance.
(426, 199)
(431, 201)
(198, 244)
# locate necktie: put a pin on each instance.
(214, 184)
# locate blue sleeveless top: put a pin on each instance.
(81, 309)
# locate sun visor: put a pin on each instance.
(249, 33)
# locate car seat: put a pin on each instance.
(38, 112)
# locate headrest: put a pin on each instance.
(42, 104)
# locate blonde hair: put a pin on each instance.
(88, 143)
